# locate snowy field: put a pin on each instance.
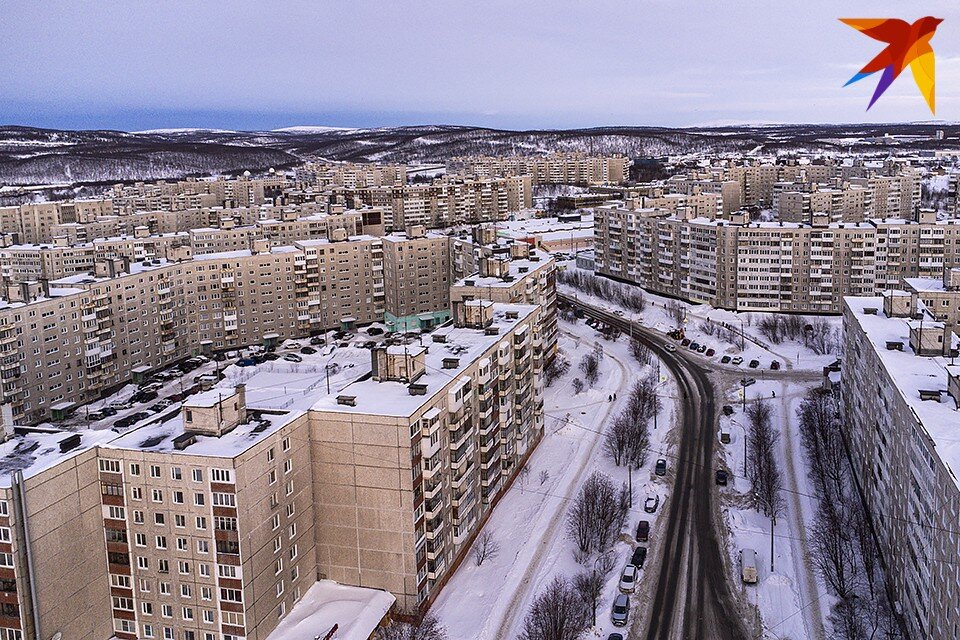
(489, 602)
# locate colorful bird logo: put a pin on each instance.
(907, 44)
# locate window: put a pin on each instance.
(289, 489)
(185, 591)
(203, 546)
(176, 473)
(291, 509)
(142, 563)
(138, 517)
(141, 539)
(148, 631)
(134, 469)
(163, 566)
(294, 573)
(201, 523)
(221, 475)
(278, 566)
(146, 608)
(198, 475)
(228, 571)
(161, 542)
(277, 543)
(206, 593)
(178, 497)
(184, 568)
(280, 588)
(273, 476)
(187, 613)
(181, 544)
(159, 518)
(198, 499)
(116, 513)
(208, 616)
(294, 551)
(275, 521)
(166, 610)
(164, 588)
(224, 500)
(144, 585)
(117, 580)
(286, 443)
(154, 471)
(136, 493)
(270, 455)
(231, 595)
(293, 529)
(110, 466)
(124, 604)
(288, 465)
(157, 495)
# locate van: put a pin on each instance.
(748, 566)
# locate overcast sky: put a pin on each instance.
(513, 64)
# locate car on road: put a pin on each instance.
(639, 556)
(725, 360)
(775, 365)
(711, 352)
(317, 340)
(618, 312)
(754, 364)
(376, 331)
(721, 477)
(95, 415)
(651, 503)
(643, 531)
(292, 357)
(737, 360)
(670, 347)
(746, 382)
(308, 351)
(661, 467)
(628, 579)
(727, 410)
(621, 610)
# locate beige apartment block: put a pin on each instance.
(417, 263)
(558, 168)
(901, 435)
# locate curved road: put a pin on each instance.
(693, 598)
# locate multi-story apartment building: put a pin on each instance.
(775, 266)
(417, 263)
(212, 522)
(900, 398)
(351, 175)
(557, 168)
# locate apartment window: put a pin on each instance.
(138, 517)
(116, 513)
(141, 539)
(294, 573)
(291, 509)
(275, 521)
(157, 495)
(163, 566)
(181, 544)
(273, 476)
(221, 475)
(187, 613)
(148, 631)
(198, 475)
(136, 493)
(277, 543)
(176, 473)
(178, 497)
(154, 471)
(286, 444)
(201, 523)
(227, 571)
(161, 542)
(167, 631)
(110, 466)
(144, 585)
(203, 546)
(289, 488)
(146, 608)
(143, 563)
(278, 566)
(117, 580)
(186, 591)
(198, 499)
(208, 616)
(280, 588)
(224, 500)
(294, 550)
(159, 518)
(270, 455)
(184, 568)
(287, 466)
(124, 604)
(164, 588)
(231, 595)
(206, 593)
(293, 529)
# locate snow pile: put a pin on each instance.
(355, 611)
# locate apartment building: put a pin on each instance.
(774, 266)
(350, 175)
(557, 168)
(446, 202)
(900, 398)
(35, 222)
(213, 521)
(409, 462)
(417, 263)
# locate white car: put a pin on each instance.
(651, 503)
(737, 361)
(628, 579)
(670, 347)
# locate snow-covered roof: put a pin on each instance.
(37, 451)
(355, 611)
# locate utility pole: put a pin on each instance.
(630, 481)
(773, 521)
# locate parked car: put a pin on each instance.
(292, 345)
(95, 415)
(144, 396)
(270, 356)
(621, 610)
(615, 636)
(748, 566)
(685, 342)
(737, 360)
(721, 477)
(376, 331)
(292, 357)
(754, 364)
(775, 365)
(701, 348)
(123, 423)
(727, 410)
(628, 579)
(108, 411)
(651, 503)
(639, 556)
(643, 531)
(711, 352)
(308, 351)
(671, 348)
(746, 382)
(661, 467)
(724, 436)
(725, 360)
(246, 362)
(694, 346)
(317, 341)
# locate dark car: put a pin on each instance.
(123, 423)
(270, 356)
(374, 331)
(725, 360)
(727, 410)
(639, 556)
(694, 346)
(144, 396)
(710, 352)
(108, 411)
(702, 348)
(246, 362)
(308, 351)
(643, 531)
(746, 382)
(615, 636)
(317, 341)
(754, 364)
(775, 365)
(685, 342)
(721, 477)
(661, 468)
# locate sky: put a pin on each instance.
(506, 64)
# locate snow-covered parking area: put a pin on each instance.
(529, 524)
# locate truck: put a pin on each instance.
(748, 566)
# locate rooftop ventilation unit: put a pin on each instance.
(349, 401)
(70, 442)
(184, 440)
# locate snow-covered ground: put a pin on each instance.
(489, 602)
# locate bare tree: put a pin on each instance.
(557, 368)
(544, 476)
(597, 514)
(485, 547)
(676, 311)
(616, 439)
(590, 365)
(763, 471)
(557, 613)
(589, 586)
(640, 352)
(578, 386)
(426, 628)
(522, 476)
